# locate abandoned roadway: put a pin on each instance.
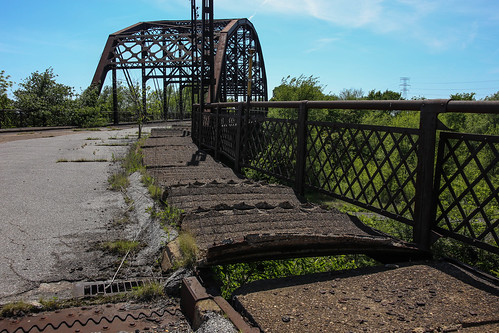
(53, 209)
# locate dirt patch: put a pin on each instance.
(437, 297)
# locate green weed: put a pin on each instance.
(15, 309)
(234, 276)
(189, 250)
(148, 292)
(50, 304)
(120, 247)
(168, 216)
(118, 181)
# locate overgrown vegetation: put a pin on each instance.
(129, 164)
(234, 276)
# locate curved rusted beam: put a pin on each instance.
(221, 57)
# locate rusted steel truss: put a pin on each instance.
(164, 50)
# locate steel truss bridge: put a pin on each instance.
(220, 60)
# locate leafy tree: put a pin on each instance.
(299, 89)
(5, 84)
(44, 100)
(351, 94)
(463, 96)
(89, 111)
(386, 95)
(494, 97)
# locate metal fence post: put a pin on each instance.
(237, 153)
(195, 123)
(217, 131)
(425, 195)
(301, 148)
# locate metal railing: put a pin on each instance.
(430, 178)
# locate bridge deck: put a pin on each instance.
(237, 220)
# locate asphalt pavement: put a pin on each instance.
(54, 204)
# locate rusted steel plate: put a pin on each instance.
(103, 318)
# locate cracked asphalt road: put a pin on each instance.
(52, 213)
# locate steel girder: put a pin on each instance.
(164, 50)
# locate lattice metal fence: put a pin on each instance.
(270, 147)
(370, 166)
(467, 186)
(389, 170)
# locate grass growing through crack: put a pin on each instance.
(121, 246)
(154, 191)
(148, 292)
(189, 250)
(82, 160)
(15, 309)
(168, 216)
(118, 181)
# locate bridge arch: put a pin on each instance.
(170, 52)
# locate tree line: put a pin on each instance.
(40, 100)
(43, 101)
(309, 88)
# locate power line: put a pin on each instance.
(459, 82)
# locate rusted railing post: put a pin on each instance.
(301, 148)
(423, 214)
(116, 118)
(237, 152)
(217, 131)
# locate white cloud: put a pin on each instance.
(436, 24)
(322, 43)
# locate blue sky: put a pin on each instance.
(443, 46)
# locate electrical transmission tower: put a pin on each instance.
(404, 84)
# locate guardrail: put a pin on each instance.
(430, 178)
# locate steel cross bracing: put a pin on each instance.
(164, 50)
